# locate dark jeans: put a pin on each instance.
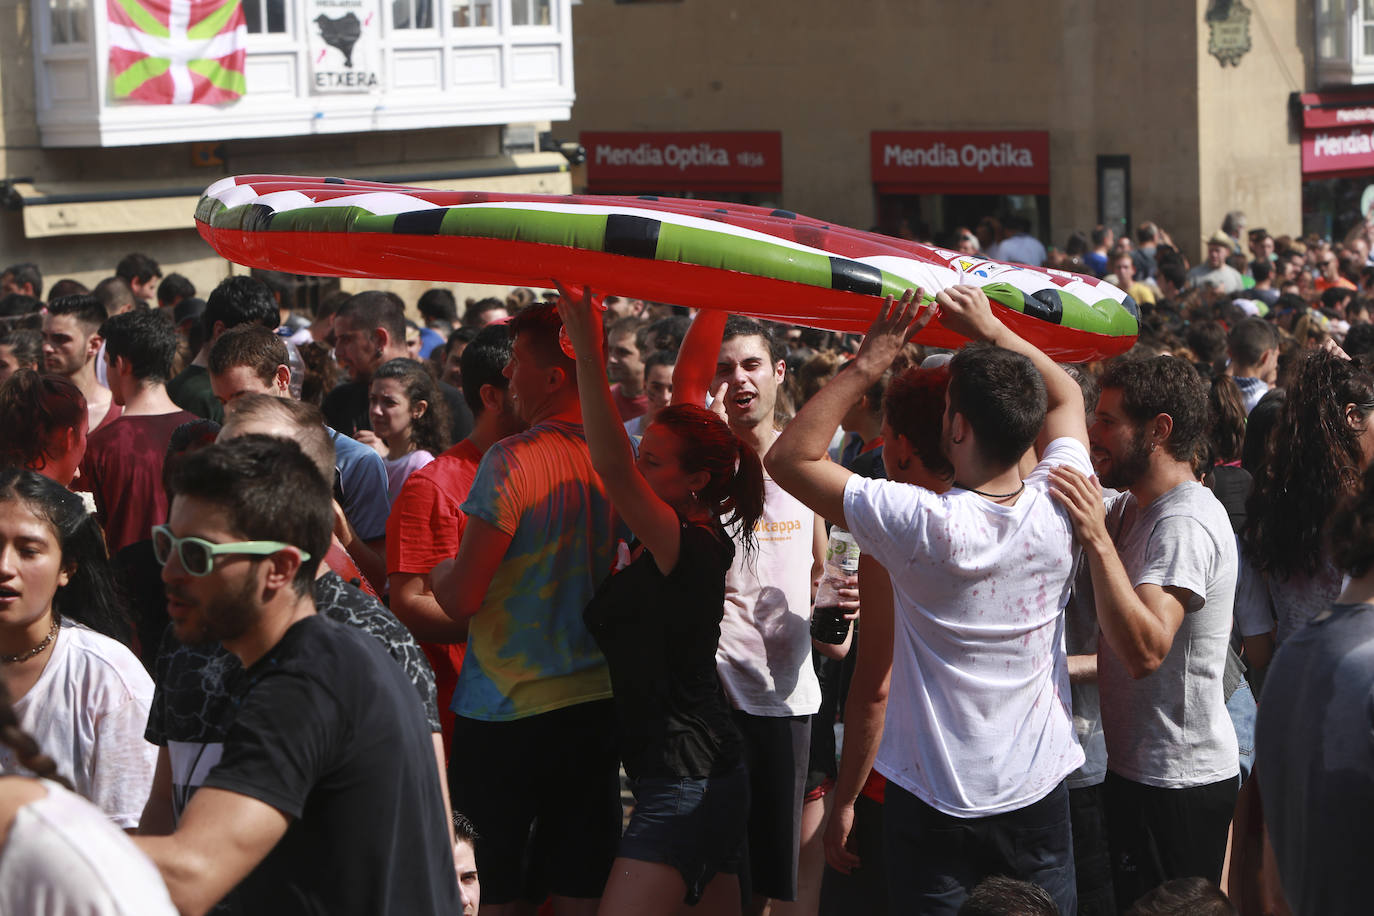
(1157, 835)
(1092, 858)
(864, 890)
(934, 860)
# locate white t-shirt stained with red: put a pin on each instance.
(978, 713)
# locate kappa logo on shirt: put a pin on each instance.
(779, 530)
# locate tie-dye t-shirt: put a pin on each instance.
(528, 649)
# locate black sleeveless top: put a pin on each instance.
(659, 636)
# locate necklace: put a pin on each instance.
(1016, 492)
(30, 653)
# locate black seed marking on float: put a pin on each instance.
(784, 214)
(1045, 305)
(646, 197)
(257, 218)
(632, 236)
(335, 181)
(1129, 305)
(853, 277)
(420, 222)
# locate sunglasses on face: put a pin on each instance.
(197, 555)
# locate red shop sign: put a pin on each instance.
(1337, 109)
(684, 161)
(961, 161)
(1333, 153)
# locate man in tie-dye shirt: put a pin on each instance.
(534, 736)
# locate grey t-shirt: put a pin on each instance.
(1314, 745)
(1170, 728)
(1081, 638)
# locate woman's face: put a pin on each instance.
(31, 572)
(391, 411)
(660, 464)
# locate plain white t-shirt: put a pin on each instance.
(87, 712)
(764, 654)
(63, 858)
(978, 713)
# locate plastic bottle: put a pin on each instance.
(828, 623)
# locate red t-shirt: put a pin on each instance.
(424, 529)
(123, 468)
(629, 407)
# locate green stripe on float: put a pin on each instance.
(584, 231)
(208, 210)
(1106, 316)
(331, 219)
(691, 245)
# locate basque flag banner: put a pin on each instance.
(177, 52)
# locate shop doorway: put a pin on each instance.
(935, 218)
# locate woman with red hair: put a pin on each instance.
(657, 619)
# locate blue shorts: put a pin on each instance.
(695, 825)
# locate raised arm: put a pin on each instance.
(797, 460)
(696, 359)
(965, 310)
(652, 520)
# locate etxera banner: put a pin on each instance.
(344, 55)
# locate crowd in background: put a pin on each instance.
(460, 484)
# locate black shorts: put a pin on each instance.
(776, 750)
(544, 795)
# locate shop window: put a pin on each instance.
(69, 18)
(265, 17)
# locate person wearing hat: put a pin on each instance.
(1214, 270)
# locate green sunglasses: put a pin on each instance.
(197, 555)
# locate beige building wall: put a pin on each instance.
(1104, 78)
(1250, 155)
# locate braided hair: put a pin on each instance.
(31, 756)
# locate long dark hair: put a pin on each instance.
(1226, 412)
(430, 430)
(1312, 460)
(734, 491)
(91, 596)
(33, 409)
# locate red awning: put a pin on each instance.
(1345, 108)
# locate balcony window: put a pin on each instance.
(69, 21)
(265, 16)
(412, 14)
(416, 64)
(473, 14)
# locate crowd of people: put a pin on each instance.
(353, 612)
